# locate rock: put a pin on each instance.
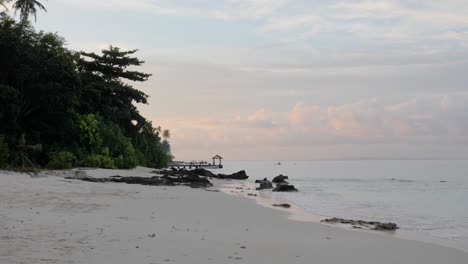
(252, 194)
(280, 179)
(385, 226)
(241, 175)
(202, 172)
(372, 225)
(285, 188)
(265, 185)
(282, 205)
(260, 181)
(193, 181)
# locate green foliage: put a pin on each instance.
(81, 102)
(89, 131)
(39, 83)
(98, 161)
(4, 153)
(61, 160)
(148, 142)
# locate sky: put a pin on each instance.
(290, 79)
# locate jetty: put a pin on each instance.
(216, 164)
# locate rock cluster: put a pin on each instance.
(240, 175)
(281, 184)
(373, 225)
(197, 178)
(193, 181)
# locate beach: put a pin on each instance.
(49, 219)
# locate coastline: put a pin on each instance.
(49, 219)
(266, 198)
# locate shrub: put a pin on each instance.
(61, 160)
(89, 131)
(3, 152)
(98, 161)
(125, 162)
(140, 157)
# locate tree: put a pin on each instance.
(28, 7)
(105, 90)
(38, 87)
(65, 103)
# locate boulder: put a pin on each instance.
(265, 185)
(280, 179)
(241, 175)
(285, 188)
(260, 181)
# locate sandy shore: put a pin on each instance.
(50, 219)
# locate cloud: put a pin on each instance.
(302, 114)
(366, 127)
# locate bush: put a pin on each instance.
(125, 162)
(98, 161)
(3, 152)
(61, 160)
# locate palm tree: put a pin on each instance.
(28, 7)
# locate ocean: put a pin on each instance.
(426, 198)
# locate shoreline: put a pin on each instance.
(49, 219)
(266, 199)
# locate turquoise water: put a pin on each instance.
(429, 197)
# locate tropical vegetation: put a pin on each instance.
(60, 108)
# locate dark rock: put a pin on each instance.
(265, 185)
(372, 225)
(252, 194)
(241, 175)
(385, 226)
(285, 188)
(280, 179)
(202, 172)
(260, 181)
(282, 205)
(189, 180)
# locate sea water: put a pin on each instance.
(427, 197)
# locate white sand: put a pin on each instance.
(54, 220)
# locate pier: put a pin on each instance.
(198, 164)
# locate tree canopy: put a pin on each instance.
(74, 102)
(27, 8)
